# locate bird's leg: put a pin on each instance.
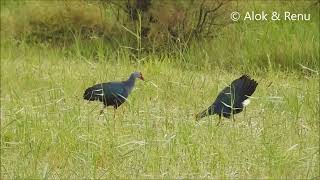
(102, 110)
(219, 121)
(114, 112)
(114, 122)
(234, 120)
(244, 113)
(123, 110)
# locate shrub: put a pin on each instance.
(155, 24)
(166, 23)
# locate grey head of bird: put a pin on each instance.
(137, 75)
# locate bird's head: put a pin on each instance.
(138, 75)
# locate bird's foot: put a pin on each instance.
(101, 113)
(219, 122)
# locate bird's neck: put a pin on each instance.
(131, 81)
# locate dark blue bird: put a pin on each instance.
(232, 99)
(112, 93)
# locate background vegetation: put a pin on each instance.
(188, 51)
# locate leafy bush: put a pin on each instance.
(156, 24)
(188, 31)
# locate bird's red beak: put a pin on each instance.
(141, 77)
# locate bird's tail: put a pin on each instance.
(89, 94)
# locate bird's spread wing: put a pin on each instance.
(232, 97)
(242, 88)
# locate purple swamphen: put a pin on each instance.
(112, 93)
(232, 99)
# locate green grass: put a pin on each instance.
(49, 131)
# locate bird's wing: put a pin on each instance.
(224, 97)
(241, 89)
(238, 91)
(115, 90)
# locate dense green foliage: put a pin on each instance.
(49, 131)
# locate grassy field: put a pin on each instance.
(48, 131)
